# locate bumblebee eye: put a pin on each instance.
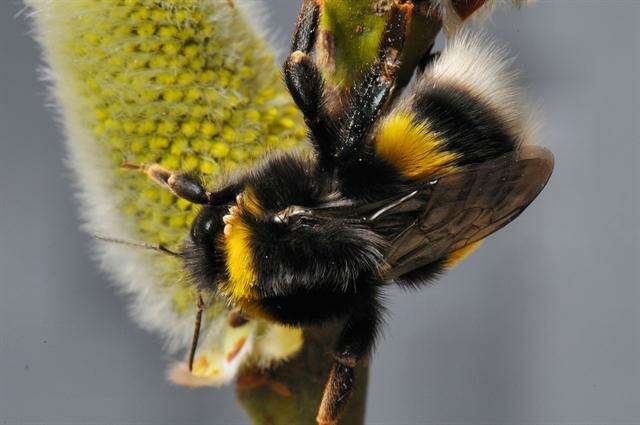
(198, 232)
(205, 226)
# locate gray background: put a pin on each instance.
(541, 326)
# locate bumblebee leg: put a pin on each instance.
(305, 82)
(304, 35)
(196, 331)
(355, 342)
(375, 88)
(306, 86)
(186, 186)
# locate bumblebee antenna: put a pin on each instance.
(196, 331)
(154, 247)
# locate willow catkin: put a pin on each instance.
(186, 84)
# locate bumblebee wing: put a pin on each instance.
(461, 208)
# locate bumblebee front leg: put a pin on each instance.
(372, 93)
(304, 79)
(186, 186)
(354, 344)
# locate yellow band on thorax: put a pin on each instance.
(239, 262)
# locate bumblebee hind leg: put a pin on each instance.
(354, 343)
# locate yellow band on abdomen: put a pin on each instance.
(412, 148)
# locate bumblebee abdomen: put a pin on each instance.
(465, 109)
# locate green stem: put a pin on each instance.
(350, 33)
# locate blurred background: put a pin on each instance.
(540, 326)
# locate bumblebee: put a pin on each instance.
(392, 192)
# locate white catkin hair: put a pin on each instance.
(479, 65)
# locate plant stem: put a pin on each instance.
(290, 393)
